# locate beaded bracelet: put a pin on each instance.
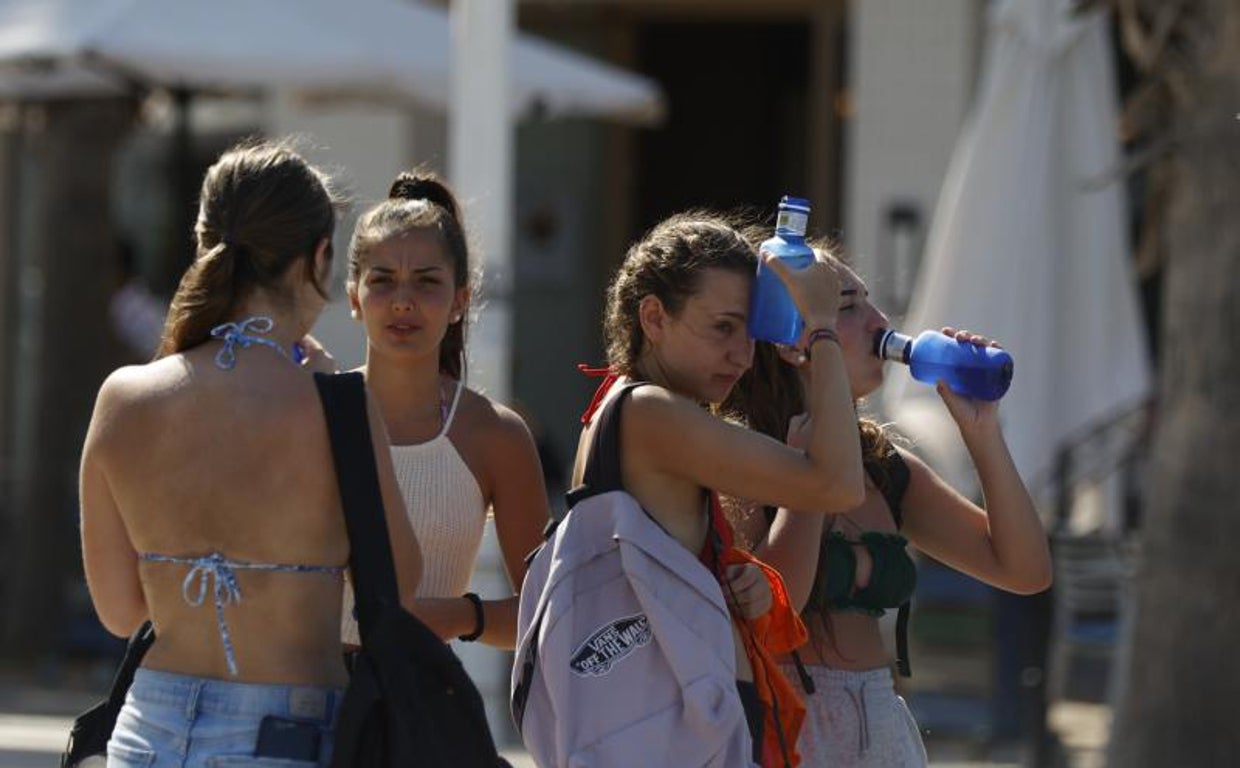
(479, 618)
(820, 334)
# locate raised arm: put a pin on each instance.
(1003, 544)
(669, 434)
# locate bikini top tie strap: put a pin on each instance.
(218, 574)
(242, 334)
(217, 570)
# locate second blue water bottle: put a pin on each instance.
(984, 373)
(773, 315)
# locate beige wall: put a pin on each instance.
(363, 147)
(912, 68)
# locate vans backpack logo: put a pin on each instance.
(609, 644)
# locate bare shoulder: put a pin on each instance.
(125, 395)
(134, 386)
(658, 417)
(919, 471)
(492, 422)
(655, 405)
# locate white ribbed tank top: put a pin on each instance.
(447, 512)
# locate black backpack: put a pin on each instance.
(409, 701)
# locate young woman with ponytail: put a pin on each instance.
(208, 492)
(457, 453)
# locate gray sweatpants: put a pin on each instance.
(856, 720)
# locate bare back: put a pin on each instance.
(199, 460)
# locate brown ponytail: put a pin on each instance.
(420, 201)
(262, 209)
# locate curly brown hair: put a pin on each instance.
(668, 263)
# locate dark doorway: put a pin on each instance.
(738, 117)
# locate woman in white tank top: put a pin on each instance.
(457, 453)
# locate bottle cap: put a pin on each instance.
(793, 216)
(892, 345)
(798, 204)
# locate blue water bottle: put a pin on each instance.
(982, 373)
(773, 316)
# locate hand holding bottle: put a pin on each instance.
(815, 289)
(774, 314)
(970, 414)
(971, 365)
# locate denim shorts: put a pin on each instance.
(181, 721)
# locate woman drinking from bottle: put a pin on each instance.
(848, 569)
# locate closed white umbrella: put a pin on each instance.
(1026, 246)
(385, 48)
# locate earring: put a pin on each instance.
(456, 319)
(353, 313)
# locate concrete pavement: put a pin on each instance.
(35, 720)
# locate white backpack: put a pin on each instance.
(624, 645)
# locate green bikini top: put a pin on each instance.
(893, 577)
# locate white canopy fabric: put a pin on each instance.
(1029, 246)
(385, 48)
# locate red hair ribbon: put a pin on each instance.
(609, 377)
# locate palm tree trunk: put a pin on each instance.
(1184, 676)
(65, 253)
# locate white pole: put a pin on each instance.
(480, 167)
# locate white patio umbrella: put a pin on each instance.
(1029, 244)
(388, 48)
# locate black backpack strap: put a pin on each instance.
(139, 643)
(521, 691)
(807, 682)
(902, 662)
(892, 477)
(370, 551)
(602, 473)
(898, 477)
